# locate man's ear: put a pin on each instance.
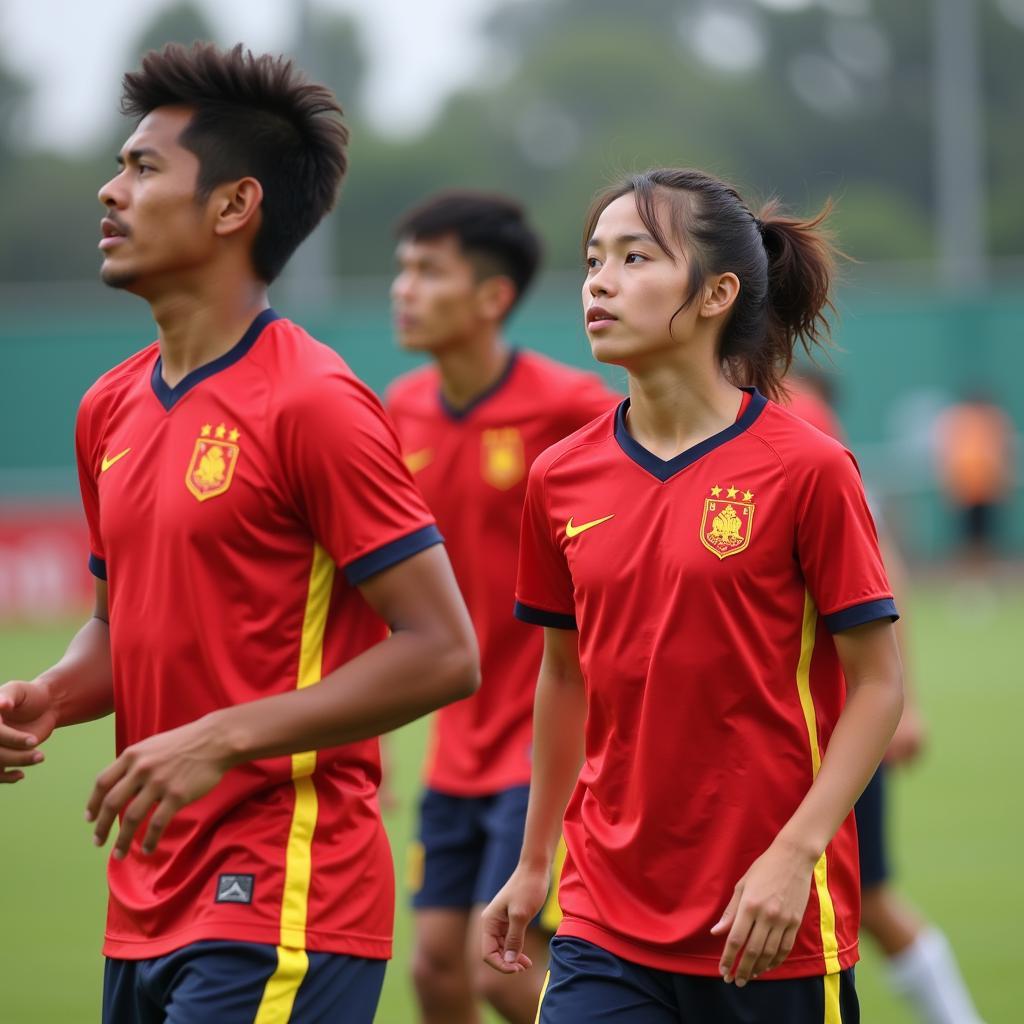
(496, 295)
(236, 204)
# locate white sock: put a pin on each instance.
(926, 973)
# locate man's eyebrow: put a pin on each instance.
(623, 239)
(135, 155)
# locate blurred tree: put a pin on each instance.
(181, 22)
(832, 98)
(339, 58)
(13, 94)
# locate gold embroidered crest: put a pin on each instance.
(503, 460)
(213, 461)
(727, 522)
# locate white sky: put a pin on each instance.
(72, 52)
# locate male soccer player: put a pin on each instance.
(471, 424)
(254, 536)
(920, 962)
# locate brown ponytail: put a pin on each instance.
(801, 266)
(785, 267)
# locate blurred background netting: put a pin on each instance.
(908, 114)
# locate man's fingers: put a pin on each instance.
(20, 758)
(10, 777)
(134, 815)
(165, 811)
(11, 736)
(111, 792)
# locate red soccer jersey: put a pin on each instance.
(705, 590)
(218, 512)
(471, 465)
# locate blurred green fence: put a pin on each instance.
(904, 354)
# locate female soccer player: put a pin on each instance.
(720, 676)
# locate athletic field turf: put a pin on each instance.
(956, 826)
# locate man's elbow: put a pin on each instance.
(458, 670)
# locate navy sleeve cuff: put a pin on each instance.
(539, 617)
(98, 567)
(392, 553)
(870, 611)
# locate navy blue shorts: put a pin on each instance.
(242, 983)
(587, 983)
(870, 812)
(468, 848)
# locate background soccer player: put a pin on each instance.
(254, 535)
(920, 962)
(470, 426)
(691, 698)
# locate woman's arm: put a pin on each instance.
(559, 714)
(768, 903)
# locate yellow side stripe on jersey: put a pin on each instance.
(292, 962)
(833, 1013)
(551, 912)
(829, 941)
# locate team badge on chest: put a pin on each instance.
(213, 462)
(727, 521)
(503, 460)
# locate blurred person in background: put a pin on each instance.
(271, 593)
(720, 675)
(471, 423)
(920, 963)
(975, 454)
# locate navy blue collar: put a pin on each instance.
(664, 470)
(461, 412)
(168, 395)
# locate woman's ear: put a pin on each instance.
(720, 293)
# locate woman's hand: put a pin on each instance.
(764, 914)
(507, 917)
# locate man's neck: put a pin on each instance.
(467, 371)
(195, 329)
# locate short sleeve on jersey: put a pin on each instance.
(544, 591)
(86, 460)
(345, 471)
(837, 545)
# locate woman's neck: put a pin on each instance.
(673, 408)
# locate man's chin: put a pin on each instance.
(115, 277)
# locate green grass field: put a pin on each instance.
(956, 834)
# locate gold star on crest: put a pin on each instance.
(205, 432)
(731, 492)
(220, 432)
(233, 435)
(716, 491)
(747, 495)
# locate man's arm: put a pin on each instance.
(79, 688)
(429, 659)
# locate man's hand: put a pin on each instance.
(27, 718)
(764, 914)
(909, 739)
(161, 774)
(507, 917)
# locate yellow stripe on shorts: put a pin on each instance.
(543, 993)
